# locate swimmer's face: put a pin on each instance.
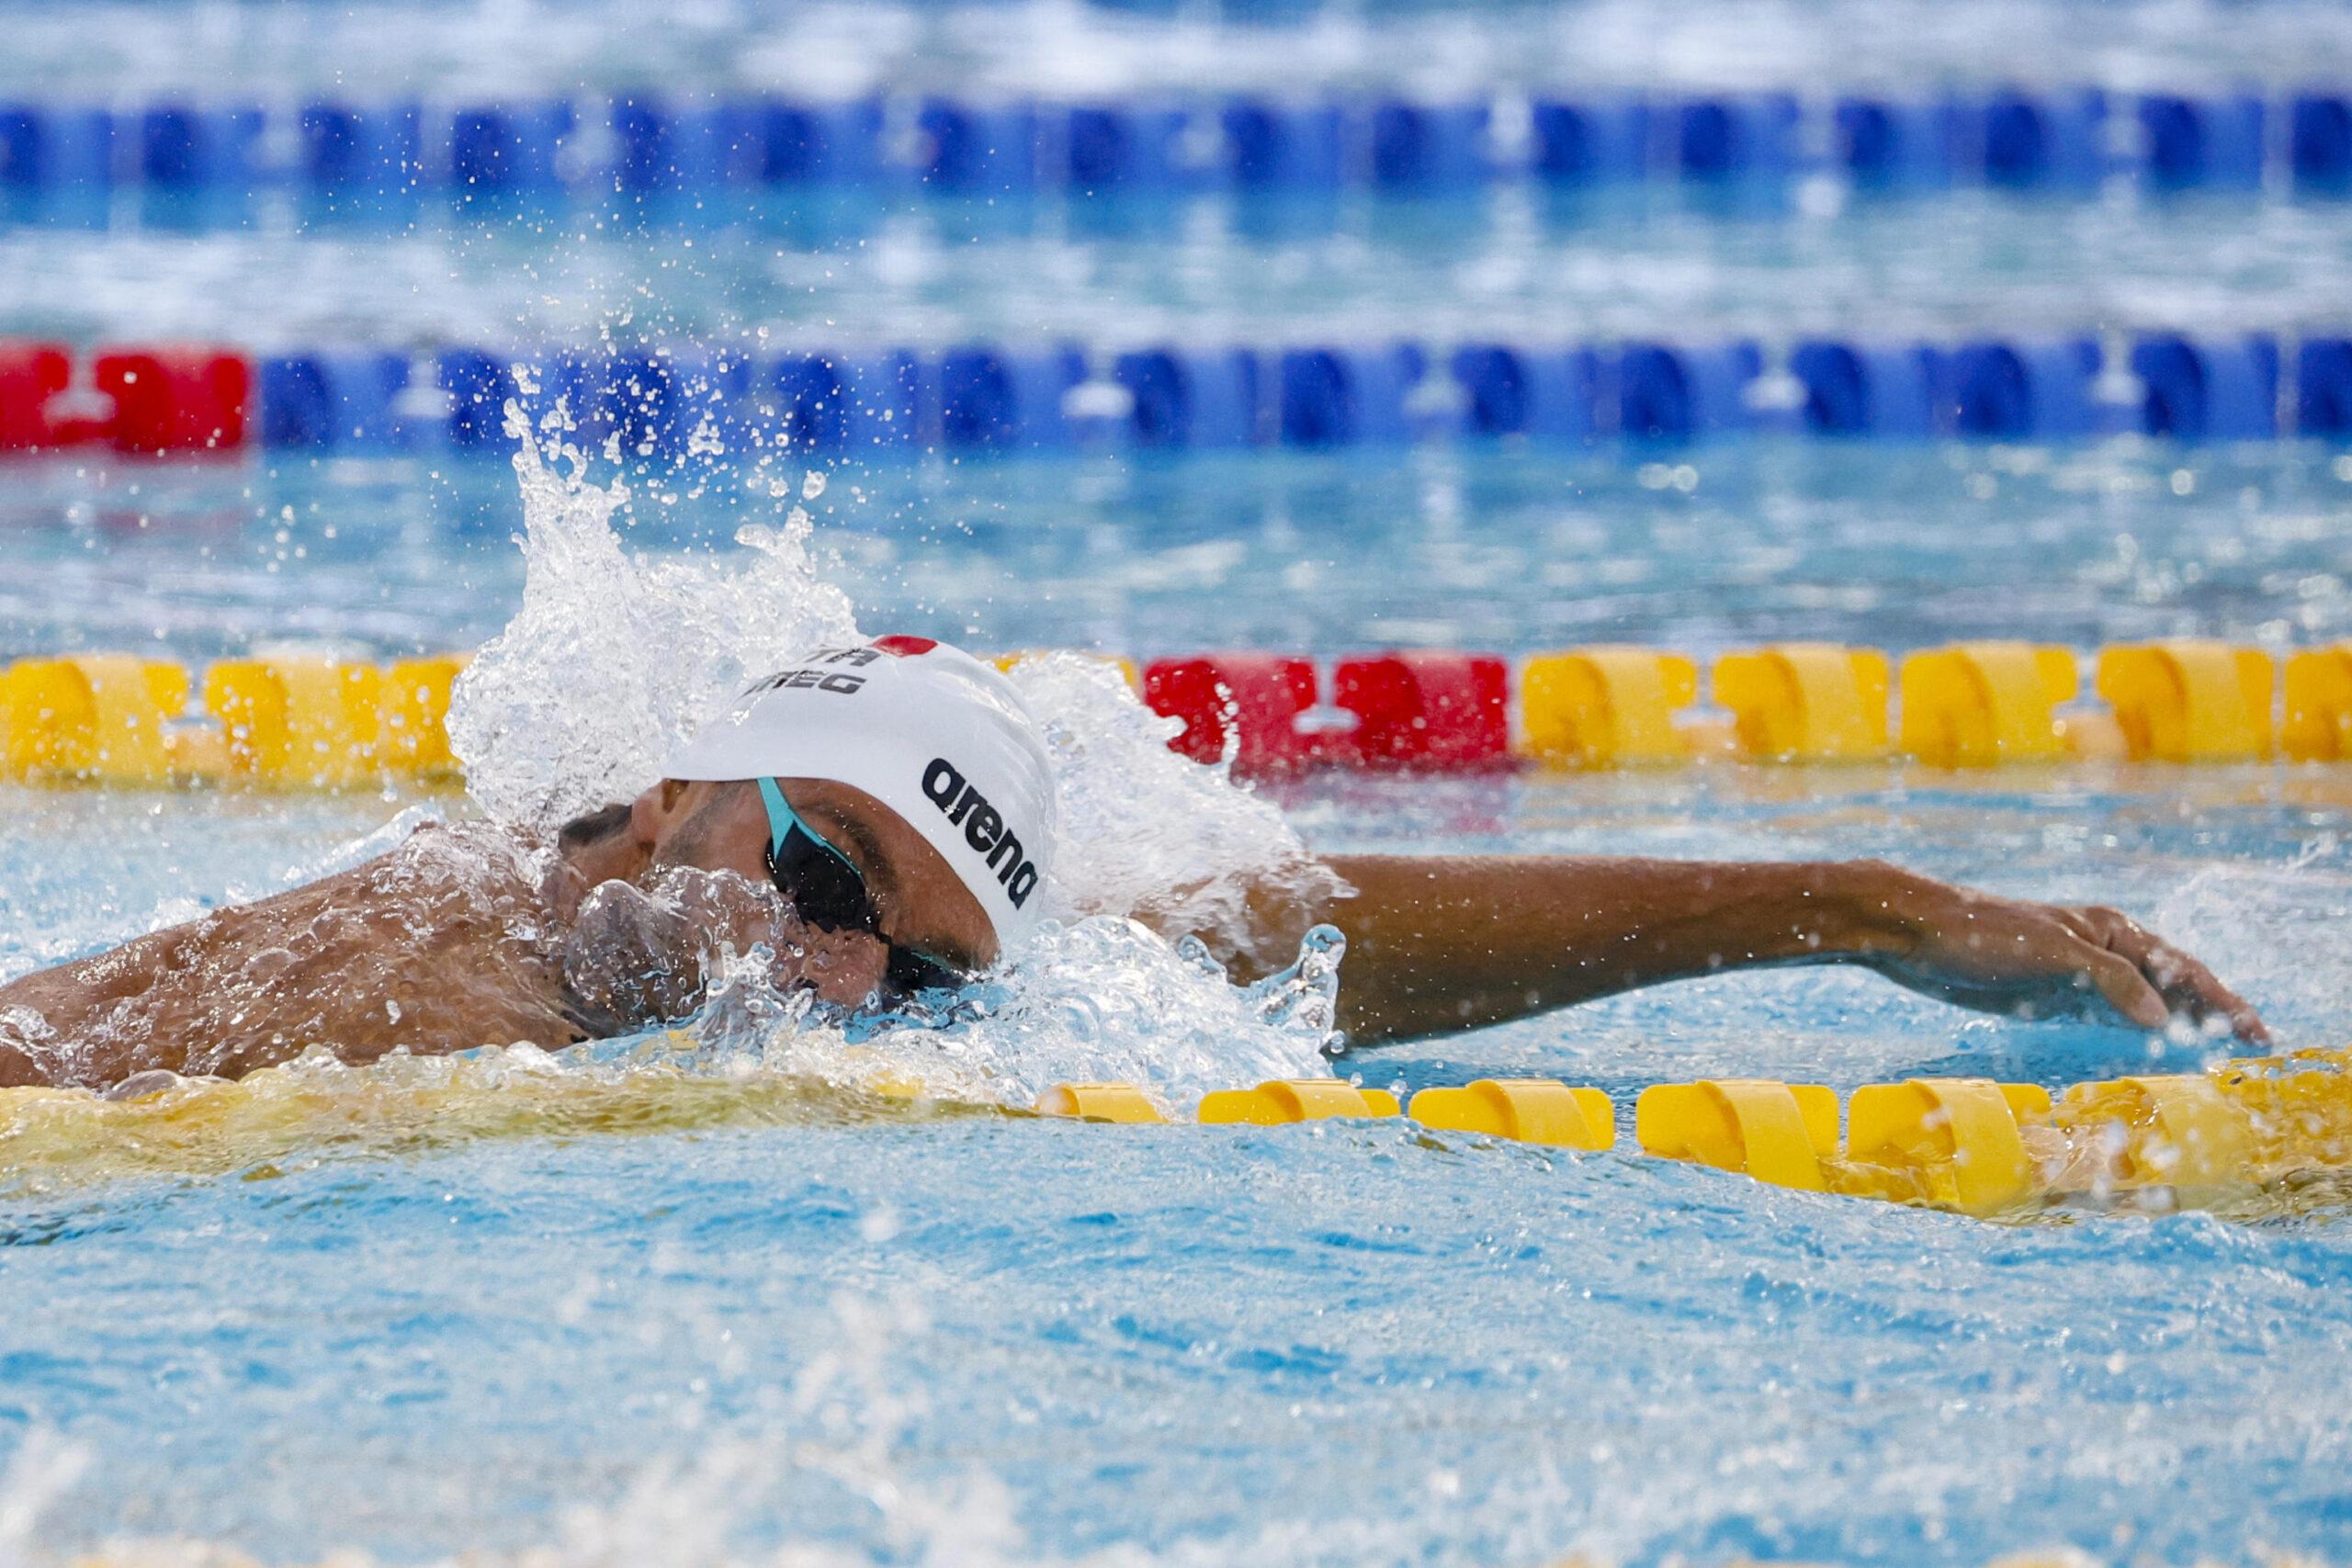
(920, 903)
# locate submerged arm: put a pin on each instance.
(1445, 943)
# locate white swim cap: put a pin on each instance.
(928, 730)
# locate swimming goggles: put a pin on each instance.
(829, 893)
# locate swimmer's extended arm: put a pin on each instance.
(1438, 944)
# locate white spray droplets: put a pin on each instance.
(1144, 829)
(614, 658)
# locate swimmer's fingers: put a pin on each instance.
(2127, 990)
(2030, 961)
(2185, 985)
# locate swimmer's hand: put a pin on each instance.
(632, 961)
(2030, 959)
(636, 957)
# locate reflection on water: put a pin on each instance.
(54, 1142)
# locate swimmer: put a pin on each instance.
(881, 819)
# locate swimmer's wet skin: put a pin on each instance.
(906, 825)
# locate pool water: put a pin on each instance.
(1514, 263)
(424, 1310)
(711, 1297)
(1509, 549)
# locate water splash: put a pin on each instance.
(1104, 999)
(612, 660)
(614, 656)
(42, 1470)
(1145, 830)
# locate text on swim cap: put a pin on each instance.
(984, 828)
(809, 680)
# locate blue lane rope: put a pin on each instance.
(668, 403)
(653, 149)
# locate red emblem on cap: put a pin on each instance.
(905, 646)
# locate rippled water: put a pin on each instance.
(374, 1310)
(759, 1294)
(657, 1305)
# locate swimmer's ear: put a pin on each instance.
(656, 811)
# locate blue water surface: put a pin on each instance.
(1330, 1343)
(1315, 1345)
(952, 1337)
(1504, 548)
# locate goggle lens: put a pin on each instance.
(829, 893)
(825, 888)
